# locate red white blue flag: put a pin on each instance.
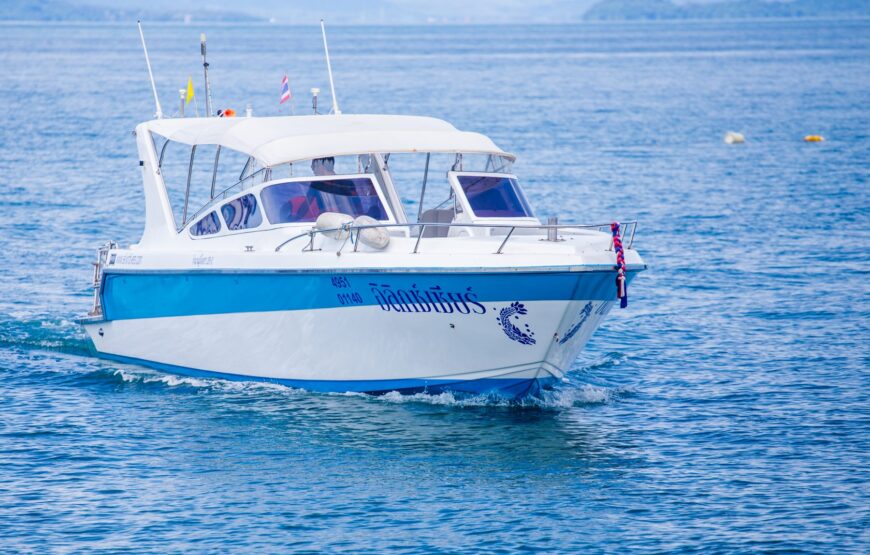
(285, 90)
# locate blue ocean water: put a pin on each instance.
(726, 410)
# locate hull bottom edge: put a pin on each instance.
(502, 386)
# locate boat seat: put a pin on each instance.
(436, 216)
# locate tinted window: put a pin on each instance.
(242, 213)
(494, 197)
(208, 225)
(303, 201)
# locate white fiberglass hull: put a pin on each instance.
(508, 333)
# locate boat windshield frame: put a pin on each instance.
(459, 192)
(381, 194)
(254, 177)
(216, 205)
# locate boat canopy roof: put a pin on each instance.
(279, 140)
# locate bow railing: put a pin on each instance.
(627, 231)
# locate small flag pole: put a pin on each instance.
(335, 109)
(159, 112)
(205, 73)
(286, 94)
(292, 99)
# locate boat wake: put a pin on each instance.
(561, 397)
(30, 332)
(65, 336)
(565, 395)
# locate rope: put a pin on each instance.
(621, 286)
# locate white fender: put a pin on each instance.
(374, 237)
(332, 220)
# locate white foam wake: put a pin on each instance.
(565, 395)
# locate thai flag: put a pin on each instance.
(285, 90)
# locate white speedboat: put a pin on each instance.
(313, 269)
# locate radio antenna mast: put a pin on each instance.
(205, 73)
(335, 109)
(159, 112)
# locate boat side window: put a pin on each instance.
(242, 213)
(304, 201)
(208, 225)
(492, 196)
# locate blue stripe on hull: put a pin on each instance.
(156, 295)
(511, 388)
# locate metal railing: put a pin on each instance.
(350, 228)
(102, 256)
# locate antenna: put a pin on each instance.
(159, 112)
(205, 73)
(335, 109)
(314, 92)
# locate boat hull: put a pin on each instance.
(515, 386)
(509, 333)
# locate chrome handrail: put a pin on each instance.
(508, 236)
(350, 227)
(97, 283)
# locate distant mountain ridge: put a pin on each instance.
(62, 10)
(402, 12)
(348, 12)
(736, 9)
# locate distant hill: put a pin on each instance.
(403, 12)
(61, 10)
(736, 9)
(306, 12)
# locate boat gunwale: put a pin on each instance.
(574, 268)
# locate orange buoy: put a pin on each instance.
(813, 139)
(228, 113)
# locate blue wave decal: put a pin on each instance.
(516, 309)
(584, 314)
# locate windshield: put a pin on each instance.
(304, 201)
(493, 196)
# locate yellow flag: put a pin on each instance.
(189, 90)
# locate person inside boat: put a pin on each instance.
(323, 166)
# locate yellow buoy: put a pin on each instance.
(813, 139)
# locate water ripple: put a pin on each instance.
(727, 410)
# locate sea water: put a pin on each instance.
(725, 410)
